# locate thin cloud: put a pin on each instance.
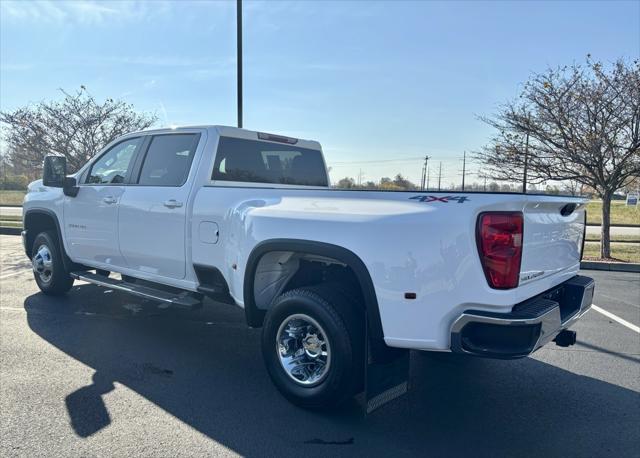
(163, 110)
(160, 61)
(79, 11)
(16, 67)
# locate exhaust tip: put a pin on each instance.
(565, 338)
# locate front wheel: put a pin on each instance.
(312, 345)
(48, 268)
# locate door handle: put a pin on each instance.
(172, 203)
(109, 200)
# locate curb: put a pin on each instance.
(11, 205)
(613, 241)
(10, 230)
(613, 225)
(611, 266)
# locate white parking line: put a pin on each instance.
(631, 326)
(14, 273)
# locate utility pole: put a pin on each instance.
(424, 172)
(526, 164)
(239, 57)
(464, 167)
(439, 176)
(427, 178)
(526, 156)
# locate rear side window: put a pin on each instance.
(254, 161)
(168, 160)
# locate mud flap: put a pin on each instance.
(386, 374)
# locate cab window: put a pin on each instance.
(168, 160)
(253, 161)
(114, 165)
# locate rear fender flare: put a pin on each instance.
(255, 316)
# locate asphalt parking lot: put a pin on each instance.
(98, 372)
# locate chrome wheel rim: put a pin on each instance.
(303, 349)
(43, 263)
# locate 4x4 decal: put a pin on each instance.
(445, 199)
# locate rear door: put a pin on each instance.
(152, 220)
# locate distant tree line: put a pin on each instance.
(400, 183)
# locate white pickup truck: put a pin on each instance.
(337, 279)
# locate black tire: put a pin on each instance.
(343, 326)
(57, 281)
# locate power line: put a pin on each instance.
(406, 159)
(377, 161)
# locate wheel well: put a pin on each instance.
(36, 222)
(289, 263)
(280, 271)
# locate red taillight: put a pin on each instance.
(500, 247)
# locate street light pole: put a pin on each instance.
(239, 58)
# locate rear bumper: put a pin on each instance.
(530, 325)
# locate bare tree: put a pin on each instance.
(346, 182)
(76, 127)
(583, 124)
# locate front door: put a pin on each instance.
(152, 219)
(91, 218)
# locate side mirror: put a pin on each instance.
(55, 171)
(70, 187)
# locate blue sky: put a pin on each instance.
(371, 80)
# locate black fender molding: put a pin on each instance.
(68, 264)
(255, 316)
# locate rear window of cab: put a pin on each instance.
(254, 161)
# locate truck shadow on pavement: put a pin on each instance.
(205, 369)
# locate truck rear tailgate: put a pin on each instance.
(552, 237)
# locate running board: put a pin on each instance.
(183, 300)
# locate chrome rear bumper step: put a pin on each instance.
(183, 299)
(530, 325)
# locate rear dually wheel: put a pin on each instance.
(313, 346)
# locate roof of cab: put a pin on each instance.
(229, 131)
